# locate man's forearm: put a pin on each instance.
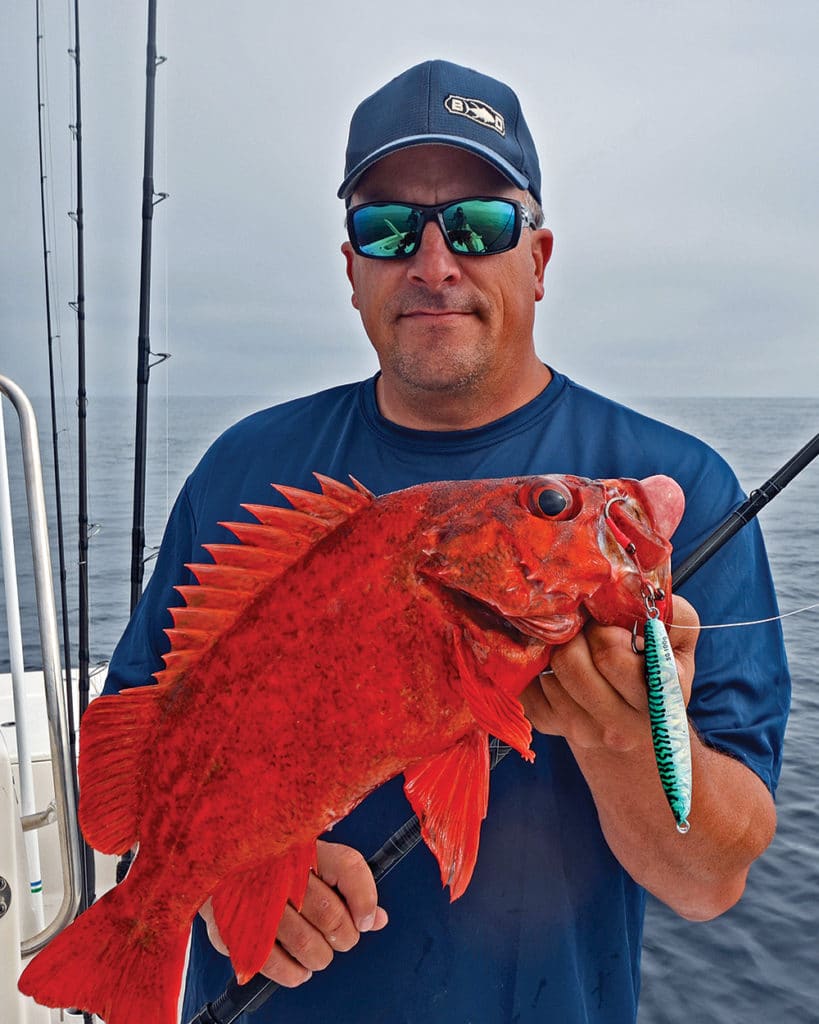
(700, 874)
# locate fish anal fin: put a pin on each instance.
(449, 793)
(494, 709)
(113, 741)
(248, 906)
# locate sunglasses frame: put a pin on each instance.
(429, 214)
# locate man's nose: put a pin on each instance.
(433, 263)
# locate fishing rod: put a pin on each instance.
(58, 498)
(83, 654)
(752, 505)
(144, 365)
(238, 999)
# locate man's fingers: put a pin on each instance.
(597, 694)
(328, 914)
(345, 869)
(600, 672)
(340, 902)
(303, 941)
(282, 968)
(206, 910)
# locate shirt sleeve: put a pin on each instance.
(139, 652)
(741, 693)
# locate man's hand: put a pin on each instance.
(597, 700)
(596, 694)
(341, 902)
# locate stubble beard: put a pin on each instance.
(437, 359)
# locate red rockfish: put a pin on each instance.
(339, 643)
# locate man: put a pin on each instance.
(550, 927)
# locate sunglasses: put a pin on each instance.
(471, 227)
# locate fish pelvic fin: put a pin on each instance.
(450, 793)
(266, 549)
(493, 708)
(248, 906)
(109, 964)
(112, 746)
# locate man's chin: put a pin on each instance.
(435, 378)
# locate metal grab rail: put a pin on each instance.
(61, 767)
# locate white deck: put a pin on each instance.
(19, 922)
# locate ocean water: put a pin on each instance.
(757, 964)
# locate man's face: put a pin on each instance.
(442, 322)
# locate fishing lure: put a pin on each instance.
(669, 720)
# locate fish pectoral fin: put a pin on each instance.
(114, 737)
(248, 906)
(494, 709)
(449, 793)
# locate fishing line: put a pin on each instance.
(751, 622)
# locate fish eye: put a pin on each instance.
(548, 501)
(551, 502)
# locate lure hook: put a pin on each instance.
(610, 502)
(637, 650)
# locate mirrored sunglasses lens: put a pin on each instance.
(480, 225)
(387, 231)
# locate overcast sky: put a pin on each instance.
(680, 150)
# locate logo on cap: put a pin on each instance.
(477, 111)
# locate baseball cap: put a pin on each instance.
(440, 102)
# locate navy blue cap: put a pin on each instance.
(439, 102)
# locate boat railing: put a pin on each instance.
(58, 728)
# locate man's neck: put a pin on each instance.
(458, 410)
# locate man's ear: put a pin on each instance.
(542, 244)
(349, 256)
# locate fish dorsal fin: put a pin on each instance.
(239, 571)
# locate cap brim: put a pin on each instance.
(506, 169)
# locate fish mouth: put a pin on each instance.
(487, 617)
(521, 630)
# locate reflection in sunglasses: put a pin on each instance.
(475, 226)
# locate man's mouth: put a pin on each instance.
(435, 313)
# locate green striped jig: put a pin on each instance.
(669, 720)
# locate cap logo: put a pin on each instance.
(477, 111)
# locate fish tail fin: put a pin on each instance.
(109, 964)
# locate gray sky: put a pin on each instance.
(680, 152)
